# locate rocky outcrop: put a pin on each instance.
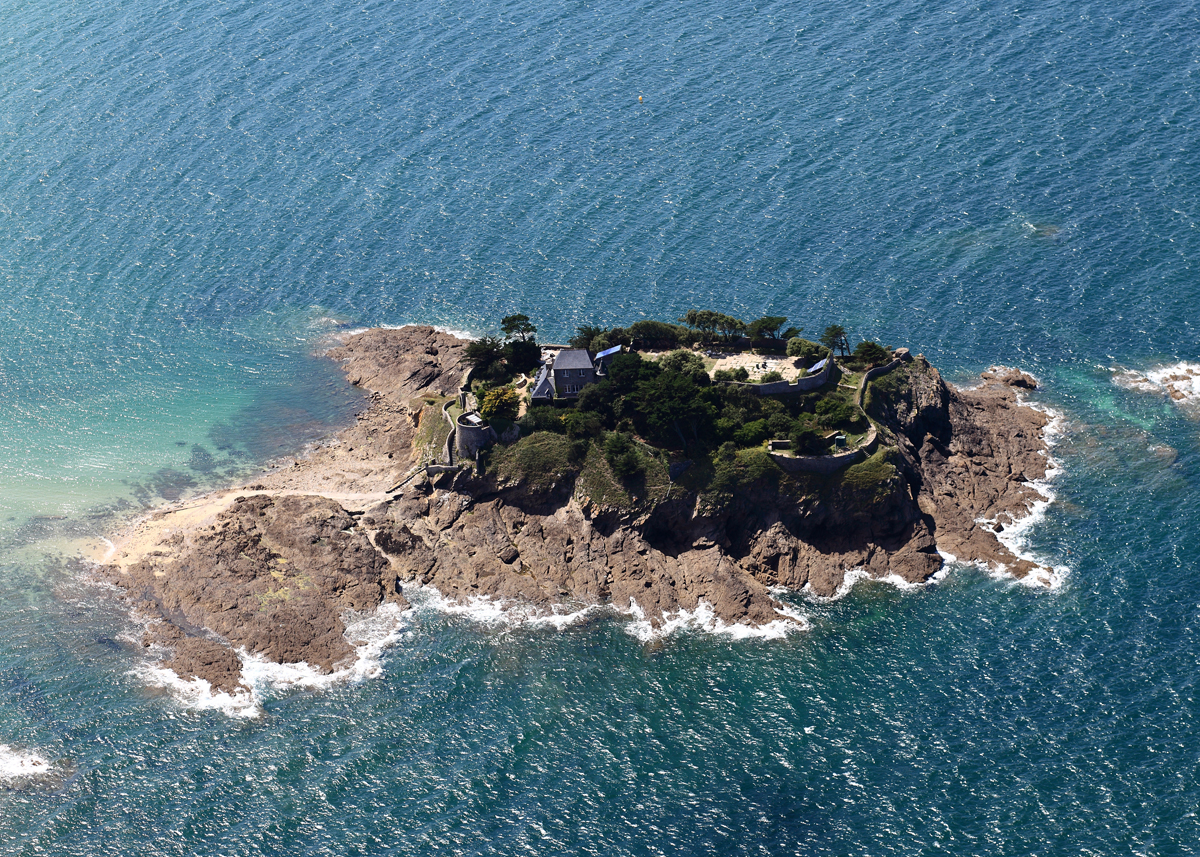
(275, 572)
(272, 576)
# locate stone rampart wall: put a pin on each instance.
(448, 448)
(902, 356)
(827, 463)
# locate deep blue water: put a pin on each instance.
(193, 195)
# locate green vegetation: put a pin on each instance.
(835, 337)
(432, 429)
(871, 354)
(540, 460)
(500, 402)
(517, 325)
(766, 327)
(805, 350)
(738, 374)
(496, 361)
(621, 434)
(872, 479)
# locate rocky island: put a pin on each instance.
(614, 499)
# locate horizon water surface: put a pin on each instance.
(195, 196)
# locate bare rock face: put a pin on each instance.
(276, 571)
(498, 550)
(404, 362)
(273, 575)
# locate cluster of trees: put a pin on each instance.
(710, 324)
(673, 403)
(696, 326)
(496, 360)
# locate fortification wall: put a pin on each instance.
(902, 356)
(828, 463)
(470, 439)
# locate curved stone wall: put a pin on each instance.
(828, 463)
(469, 439)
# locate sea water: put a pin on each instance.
(196, 196)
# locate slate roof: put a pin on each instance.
(573, 358)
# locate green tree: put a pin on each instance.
(666, 405)
(654, 334)
(484, 353)
(685, 362)
(767, 326)
(730, 326)
(808, 441)
(835, 337)
(522, 355)
(622, 457)
(741, 373)
(584, 334)
(871, 353)
(517, 325)
(770, 378)
(804, 349)
(627, 369)
(500, 402)
(704, 320)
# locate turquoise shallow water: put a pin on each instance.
(194, 195)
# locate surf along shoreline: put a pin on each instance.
(283, 569)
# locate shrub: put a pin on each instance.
(622, 456)
(770, 378)
(780, 425)
(752, 433)
(738, 374)
(805, 350)
(542, 418)
(834, 412)
(871, 353)
(582, 424)
(500, 402)
(807, 441)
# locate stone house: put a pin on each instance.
(573, 370)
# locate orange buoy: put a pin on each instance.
(639, 99)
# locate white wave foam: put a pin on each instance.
(705, 619)
(1014, 534)
(1178, 381)
(18, 765)
(857, 575)
(370, 635)
(850, 578)
(1015, 537)
(497, 611)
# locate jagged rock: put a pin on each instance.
(275, 572)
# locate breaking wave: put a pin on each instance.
(370, 634)
(704, 619)
(497, 611)
(16, 765)
(1180, 382)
